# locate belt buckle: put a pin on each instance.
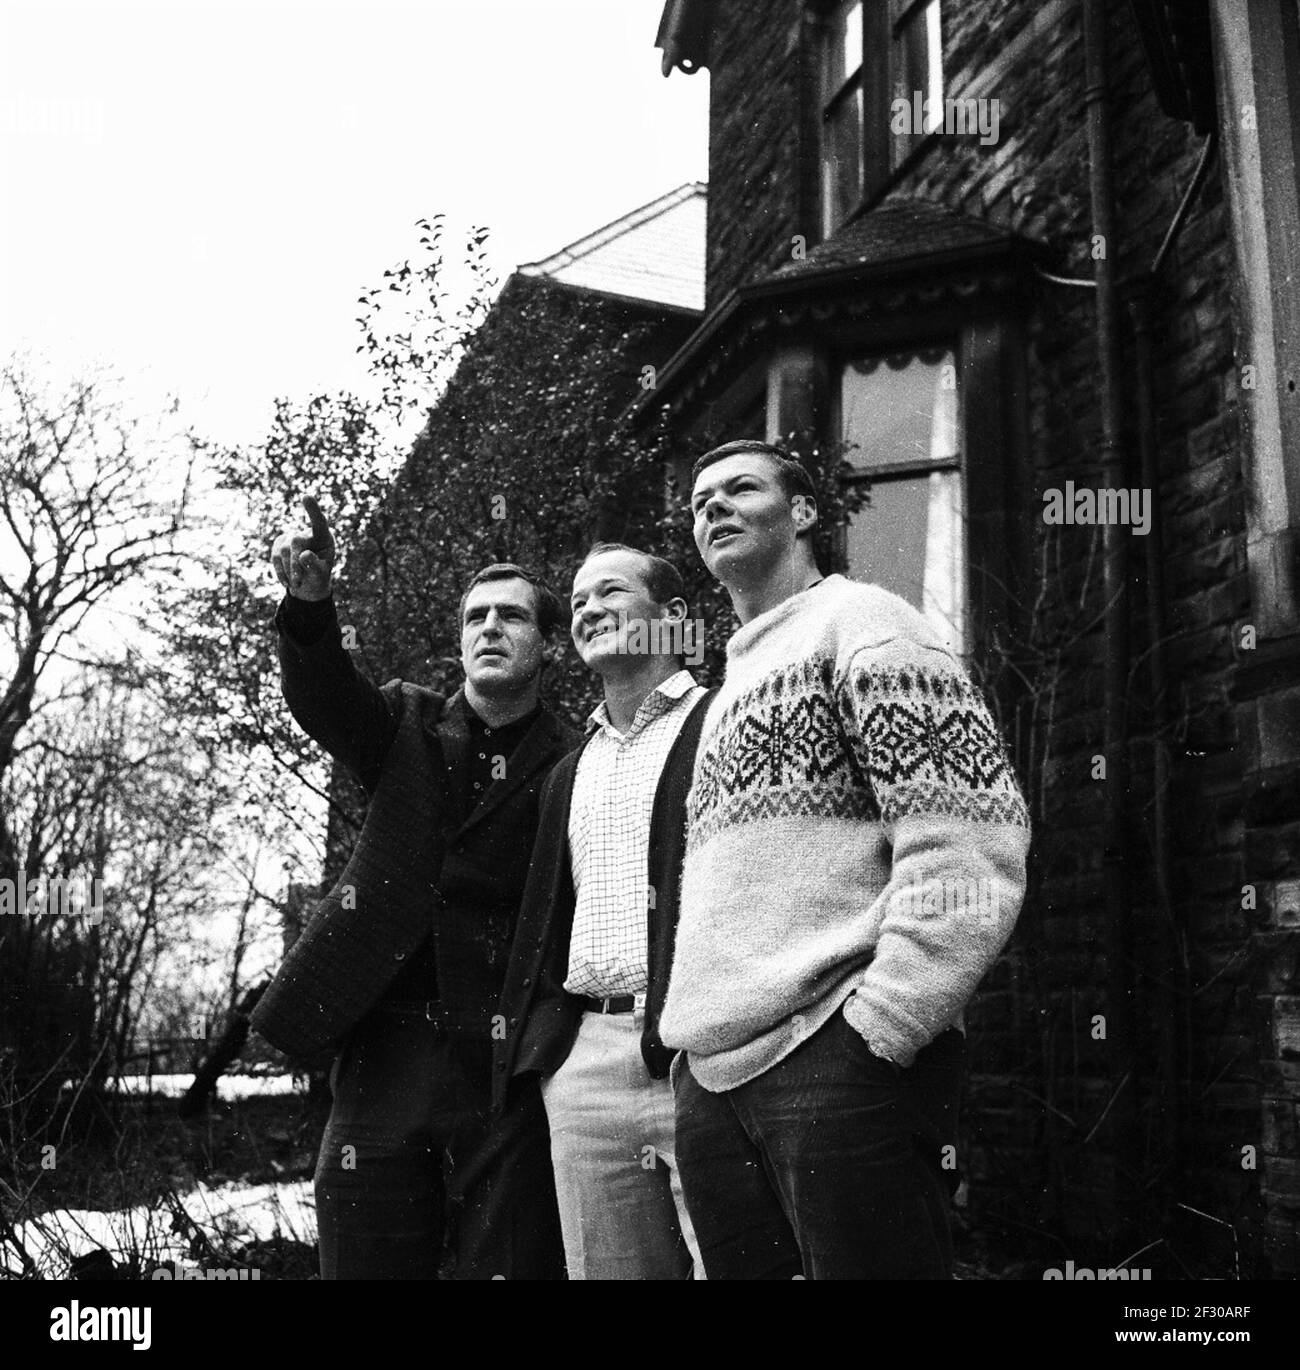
(638, 1010)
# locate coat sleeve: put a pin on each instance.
(333, 703)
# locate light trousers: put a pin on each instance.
(622, 1213)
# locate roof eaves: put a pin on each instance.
(744, 298)
(685, 28)
(613, 297)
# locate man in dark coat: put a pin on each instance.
(401, 965)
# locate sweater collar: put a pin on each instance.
(745, 637)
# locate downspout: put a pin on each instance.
(1118, 928)
(1171, 999)
(1173, 993)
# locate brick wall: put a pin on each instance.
(754, 142)
(1044, 1138)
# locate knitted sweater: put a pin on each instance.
(855, 833)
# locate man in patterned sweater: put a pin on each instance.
(855, 862)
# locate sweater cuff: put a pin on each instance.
(882, 1037)
(304, 621)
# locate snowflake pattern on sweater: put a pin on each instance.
(793, 745)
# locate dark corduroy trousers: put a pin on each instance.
(415, 1180)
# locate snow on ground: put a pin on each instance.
(231, 1214)
(228, 1087)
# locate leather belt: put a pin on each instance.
(615, 1003)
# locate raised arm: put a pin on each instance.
(331, 700)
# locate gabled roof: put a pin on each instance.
(655, 253)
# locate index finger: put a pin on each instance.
(320, 529)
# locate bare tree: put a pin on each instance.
(91, 500)
(108, 793)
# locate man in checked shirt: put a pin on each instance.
(593, 944)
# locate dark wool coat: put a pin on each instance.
(413, 874)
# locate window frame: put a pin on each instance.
(949, 343)
(990, 349)
(874, 77)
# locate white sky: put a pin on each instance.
(198, 191)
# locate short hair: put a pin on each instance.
(662, 579)
(794, 476)
(547, 608)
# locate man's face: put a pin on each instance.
(609, 596)
(743, 519)
(501, 647)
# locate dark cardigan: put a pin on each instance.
(540, 1019)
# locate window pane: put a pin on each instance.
(842, 161)
(900, 408)
(934, 55)
(918, 72)
(843, 50)
(910, 539)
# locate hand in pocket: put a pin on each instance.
(879, 1066)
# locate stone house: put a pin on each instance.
(1036, 266)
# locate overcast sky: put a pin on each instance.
(197, 191)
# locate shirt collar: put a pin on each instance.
(657, 702)
(477, 724)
